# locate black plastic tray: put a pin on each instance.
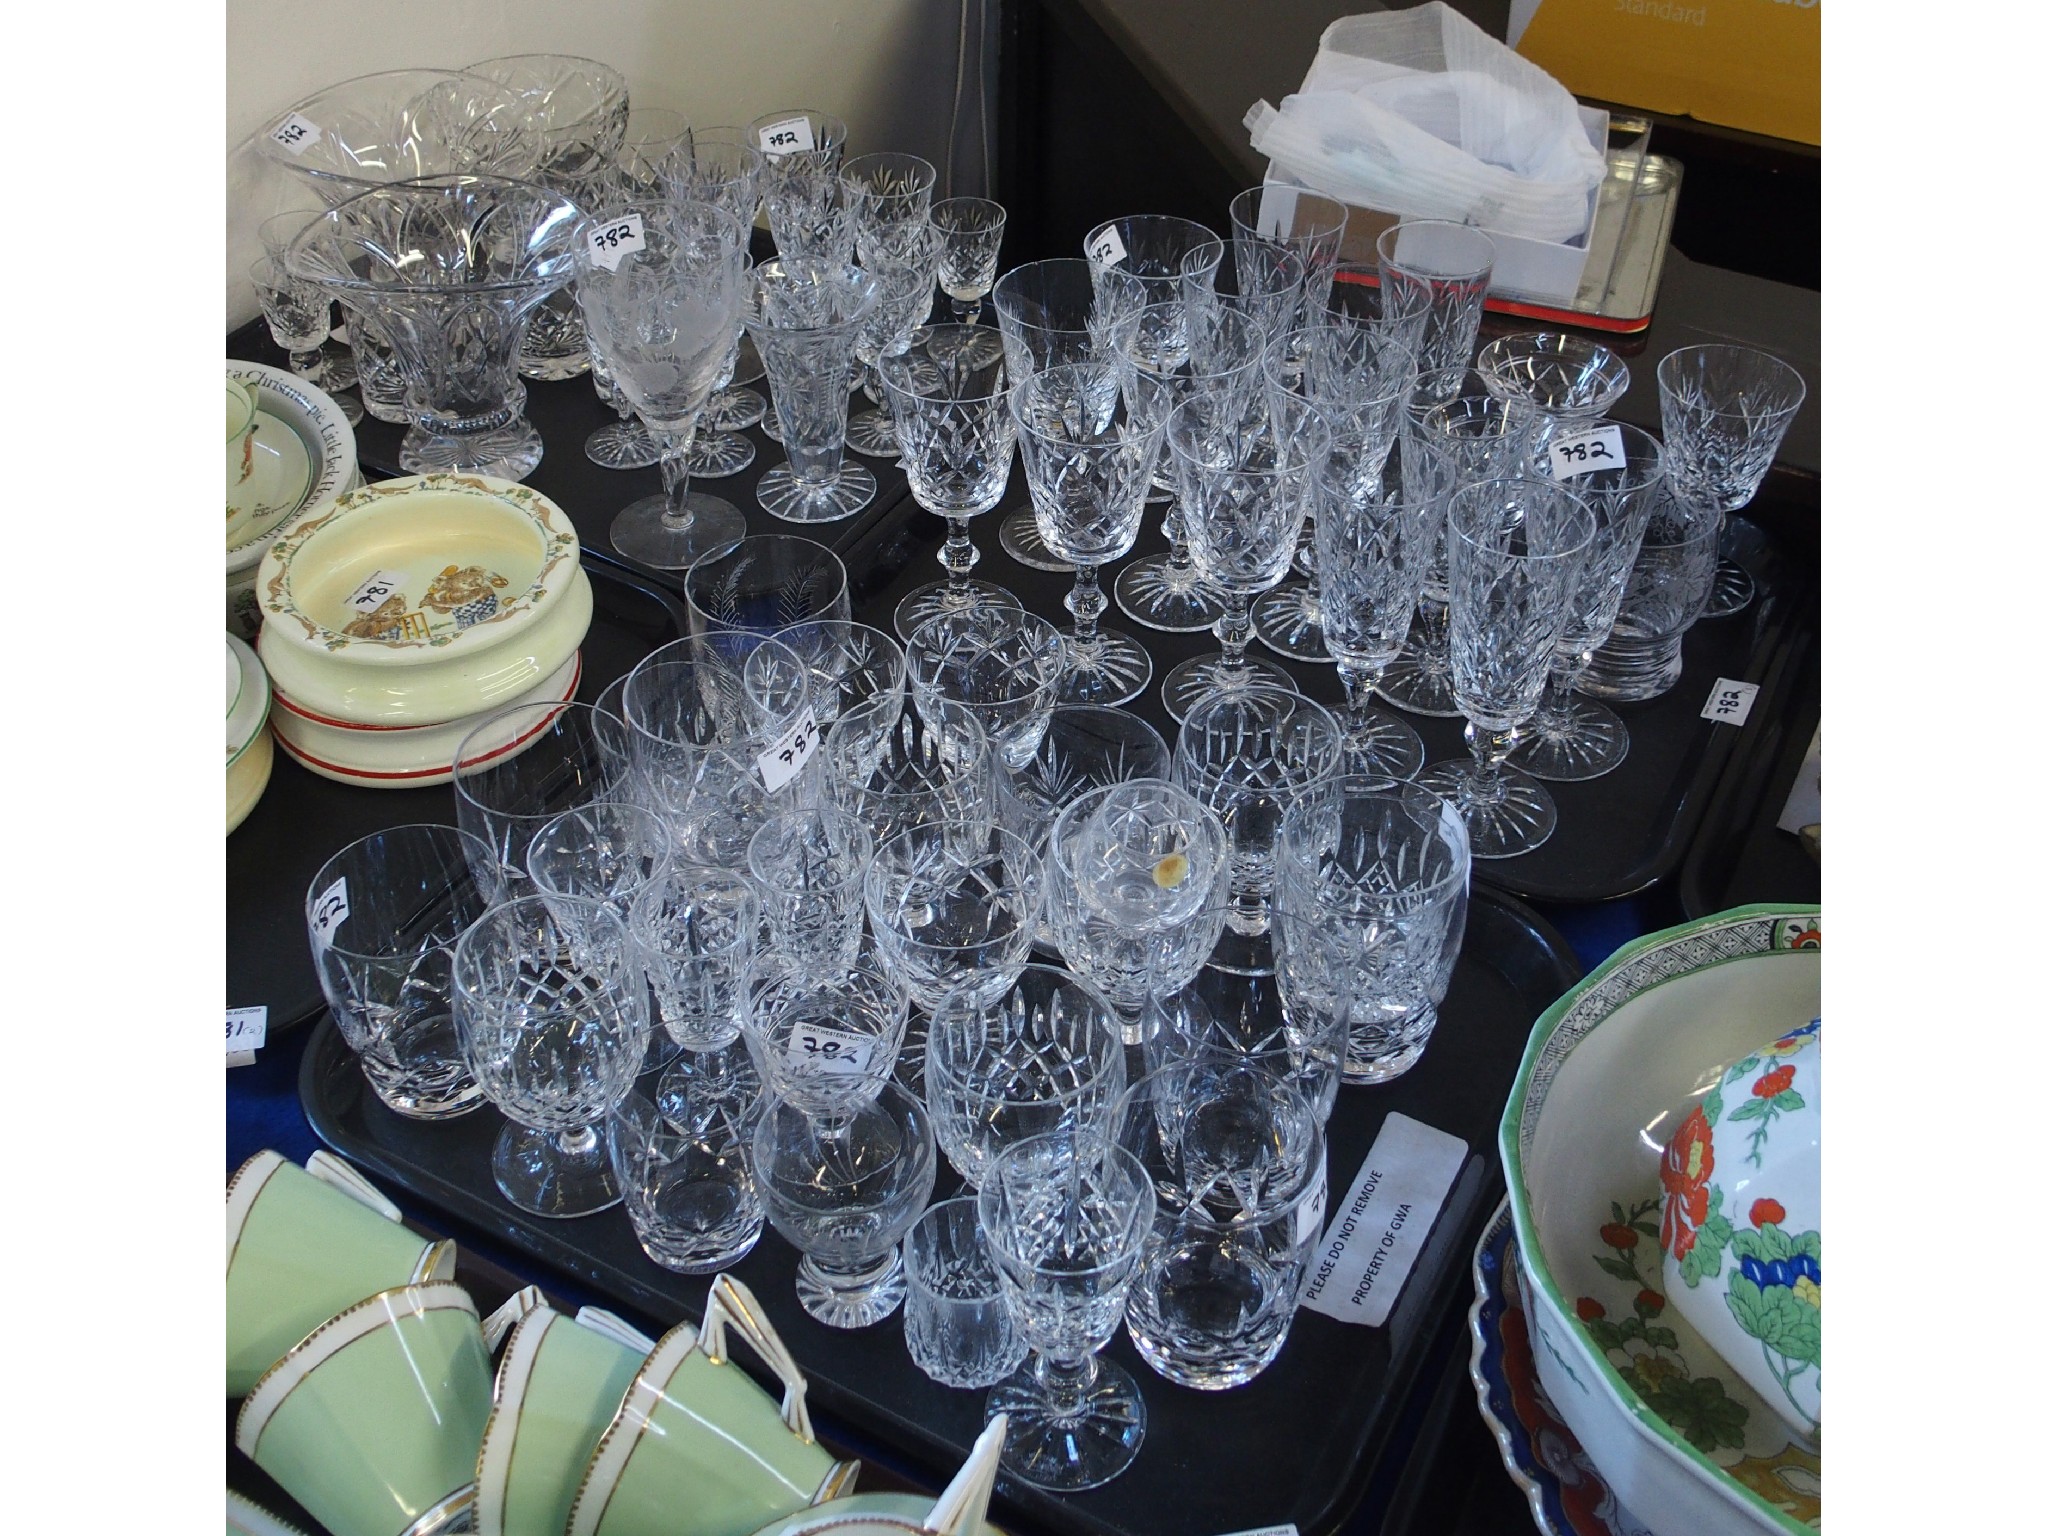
(1741, 855)
(303, 819)
(1299, 1444)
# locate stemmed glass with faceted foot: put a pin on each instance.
(1066, 1217)
(805, 318)
(902, 302)
(1089, 447)
(967, 236)
(1049, 313)
(1517, 546)
(1618, 469)
(297, 314)
(1375, 527)
(553, 1019)
(957, 436)
(1245, 484)
(663, 311)
(1726, 409)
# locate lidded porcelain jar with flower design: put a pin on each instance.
(1740, 1227)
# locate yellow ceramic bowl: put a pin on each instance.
(249, 754)
(422, 600)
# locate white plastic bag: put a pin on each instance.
(1420, 113)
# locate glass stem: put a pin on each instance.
(1233, 633)
(1358, 689)
(1085, 603)
(675, 474)
(1490, 750)
(1565, 672)
(959, 556)
(306, 364)
(965, 311)
(1066, 1382)
(577, 1143)
(1178, 553)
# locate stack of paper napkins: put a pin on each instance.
(1420, 113)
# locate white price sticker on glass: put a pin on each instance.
(1586, 453)
(612, 240)
(377, 588)
(297, 134)
(330, 911)
(1107, 248)
(1728, 701)
(787, 754)
(791, 136)
(813, 1050)
(246, 1029)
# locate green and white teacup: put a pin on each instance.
(373, 1422)
(672, 1444)
(560, 1383)
(304, 1243)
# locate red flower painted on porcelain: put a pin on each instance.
(1589, 1310)
(1773, 1082)
(1688, 1163)
(1766, 1212)
(1649, 1303)
(1617, 1234)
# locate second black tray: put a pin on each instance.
(1299, 1444)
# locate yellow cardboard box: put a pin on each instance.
(1752, 64)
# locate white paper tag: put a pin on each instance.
(246, 1029)
(611, 241)
(329, 913)
(813, 1050)
(1728, 701)
(376, 587)
(788, 753)
(1802, 806)
(297, 134)
(791, 136)
(1587, 453)
(1308, 1216)
(1383, 1222)
(1107, 248)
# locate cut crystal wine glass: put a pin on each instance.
(958, 438)
(953, 907)
(999, 666)
(1444, 269)
(969, 231)
(1067, 1217)
(1517, 545)
(553, 1019)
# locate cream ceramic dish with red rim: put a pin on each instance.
(422, 600)
(1610, 1079)
(410, 756)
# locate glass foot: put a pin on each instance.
(1289, 620)
(1419, 681)
(782, 495)
(1734, 590)
(977, 349)
(1382, 744)
(1083, 1447)
(771, 426)
(350, 407)
(842, 1301)
(873, 434)
(622, 445)
(568, 365)
(559, 1177)
(1581, 741)
(644, 532)
(938, 597)
(735, 410)
(1114, 672)
(1158, 594)
(746, 364)
(715, 455)
(1515, 818)
(1023, 543)
(1200, 675)
(337, 367)
(511, 452)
